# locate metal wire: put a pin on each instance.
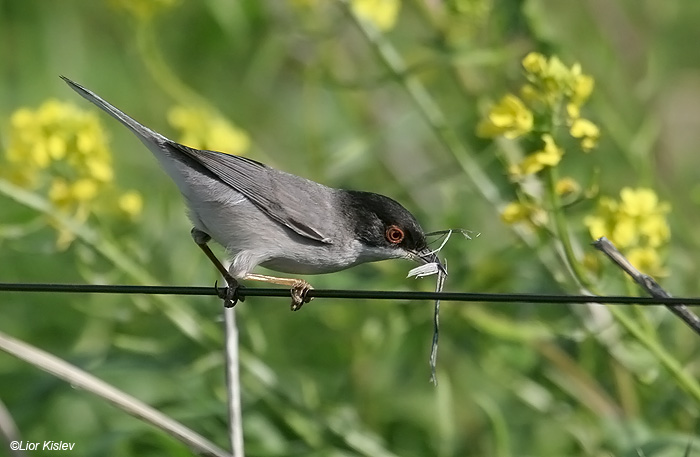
(350, 294)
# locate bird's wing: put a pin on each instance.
(277, 194)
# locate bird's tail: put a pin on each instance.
(146, 135)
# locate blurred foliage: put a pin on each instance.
(383, 96)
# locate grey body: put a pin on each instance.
(267, 217)
(253, 238)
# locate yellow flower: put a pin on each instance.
(21, 119)
(381, 13)
(567, 186)
(643, 206)
(597, 226)
(557, 75)
(61, 151)
(85, 141)
(202, 129)
(550, 155)
(56, 133)
(655, 229)
(59, 193)
(535, 63)
(39, 154)
(131, 203)
(52, 111)
(554, 76)
(515, 212)
(84, 189)
(646, 260)
(640, 202)
(551, 76)
(625, 232)
(601, 223)
(554, 85)
(573, 111)
(56, 147)
(636, 224)
(99, 169)
(587, 131)
(510, 118)
(551, 98)
(582, 87)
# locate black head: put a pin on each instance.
(382, 224)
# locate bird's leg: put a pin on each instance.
(300, 288)
(230, 297)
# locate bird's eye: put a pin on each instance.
(394, 234)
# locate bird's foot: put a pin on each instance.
(230, 294)
(300, 290)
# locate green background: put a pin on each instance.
(350, 377)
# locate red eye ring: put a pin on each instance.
(394, 234)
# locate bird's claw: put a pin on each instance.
(230, 294)
(300, 291)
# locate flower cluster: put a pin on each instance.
(462, 21)
(551, 98)
(62, 151)
(528, 211)
(382, 13)
(509, 117)
(548, 156)
(200, 128)
(515, 212)
(636, 224)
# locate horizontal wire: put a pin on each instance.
(349, 294)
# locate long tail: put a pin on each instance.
(146, 135)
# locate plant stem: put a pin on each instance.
(184, 317)
(233, 383)
(562, 231)
(79, 379)
(161, 72)
(690, 384)
(427, 108)
(436, 120)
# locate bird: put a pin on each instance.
(270, 218)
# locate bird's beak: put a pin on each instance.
(427, 256)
